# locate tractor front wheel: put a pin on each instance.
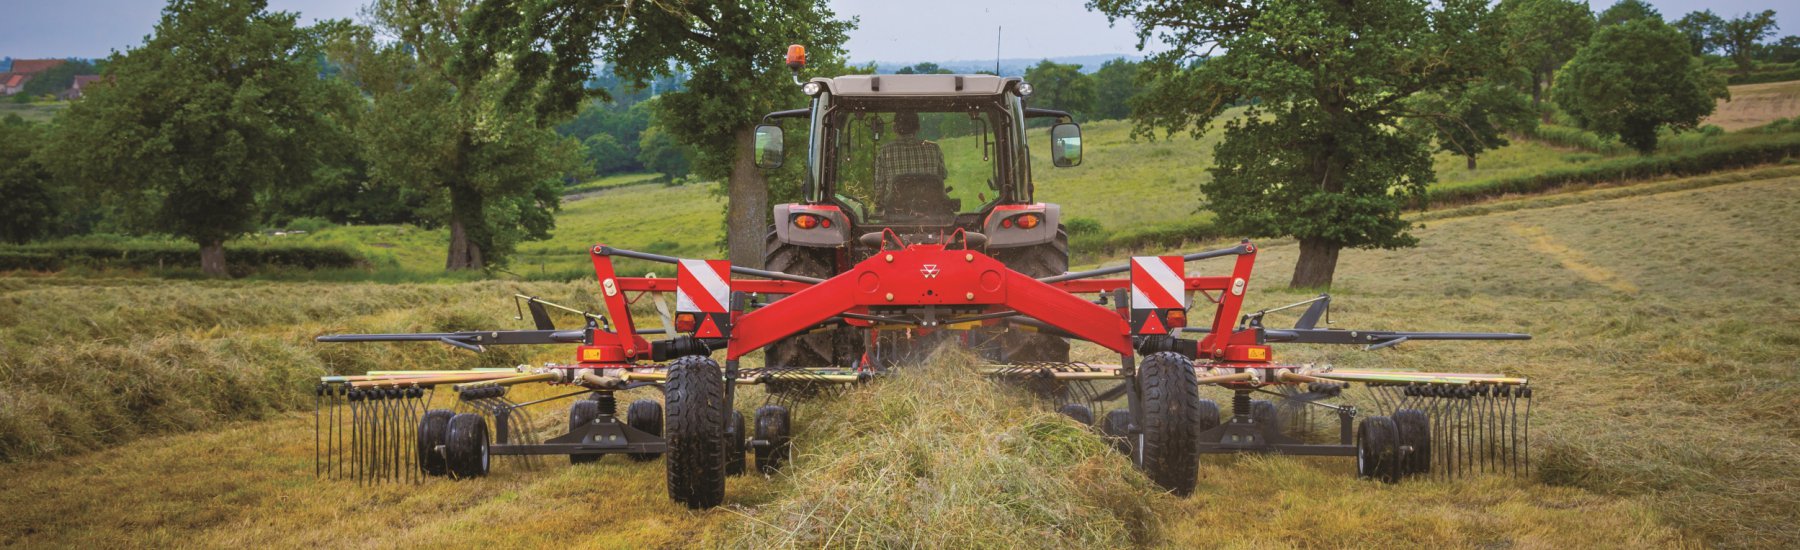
(695, 426)
(1171, 405)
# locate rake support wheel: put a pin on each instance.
(695, 426)
(773, 429)
(1413, 428)
(1378, 449)
(1077, 411)
(735, 445)
(434, 426)
(582, 413)
(647, 416)
(1266, 416)
(466, 446)
(1171, 414)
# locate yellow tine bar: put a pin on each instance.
(1223, 378)
(428, 381)
(521, 379)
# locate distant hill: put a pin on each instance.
(1014, 66)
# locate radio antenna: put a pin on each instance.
(997, 33)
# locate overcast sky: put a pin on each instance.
(891, 30)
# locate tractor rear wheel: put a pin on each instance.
(838, 347)
(1036, 261)
(1077, 411)
(466, 446)
(1171, 404)
(433, 427)
(696, 421)
(774, 430)
(734, 445)
(1414, 430)
(582, 413)
(646, 415)
(1378, 449)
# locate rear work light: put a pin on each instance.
(809, 221)
(1022, 221)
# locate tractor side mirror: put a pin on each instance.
(768, 146)
(1065, 145)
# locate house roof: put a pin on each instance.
(34, 66)
(83, 79)
(13, 79)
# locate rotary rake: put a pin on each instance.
(392, 425)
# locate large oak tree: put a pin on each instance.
(1319, 154)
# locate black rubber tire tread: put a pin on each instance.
(581, 413)
(465, 446)
(1209, 415)
(1414, 429)
(1117, 425)
(1267, 415)
(1077, 411)
(647, 416)
(434, 425)
(1378, 449)
(1171, 404)
(1036, 261)
(695, 430)
(735, 440)
(832, 348)
(774, 425)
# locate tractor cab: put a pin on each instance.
(915, 159)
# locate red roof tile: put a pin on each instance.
(34, 66)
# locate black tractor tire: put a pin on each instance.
(1378, 449)
(647, 416)
(466, 446)
(735, 445)
(1117, 428)
(1209, 415)
(581, 413)
(695, 426)
(1266, 415)
(434, 426)
(1171, 404)
(773, 426)
(1077, 411)
(839, 347)
(1414, 430)
(1036, 261)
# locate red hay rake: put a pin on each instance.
(381, 426)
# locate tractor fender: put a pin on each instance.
(1009, 236)
(833, 234)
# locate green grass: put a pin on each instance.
(612, 181)
(32, 112)
(147, 412)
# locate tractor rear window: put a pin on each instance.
(924, 166)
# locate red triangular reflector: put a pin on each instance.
(1153, 325)
(708, 329)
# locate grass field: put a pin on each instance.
(1754, 105)
(32, 112)
(1664, 353)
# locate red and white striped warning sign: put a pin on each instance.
(1157, 283)
(701, 287)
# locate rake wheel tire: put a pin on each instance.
(1036, 261)
(735, 445)
(582, 413)
(646, 415)
(466, 446)
(697, 416)
(1171, 404)
(1413, 429)
(1209, 415)
(1077, 411)
(1266, 415)
(433, 427)
(1117, 427)
(832, 348)
(1378, 449)
(774, 427)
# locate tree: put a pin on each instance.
(1317, 155)
(1539, 37)
(923, 68)
(1702, 30)
(494, 172)
(1470, 119)
(32, 205)
(1635, 78)
(1740, 36)
(1060, 86)
(1114, 86)
(731, 50)
(1786, 50)
(661, 153)
(221, 101)
(1626, 11)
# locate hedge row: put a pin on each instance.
(1698, 161)
(1762, 77)
(58, 256)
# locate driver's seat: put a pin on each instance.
(919, 199)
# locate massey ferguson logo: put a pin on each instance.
(930, 271)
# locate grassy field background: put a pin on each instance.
(1664, 353)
